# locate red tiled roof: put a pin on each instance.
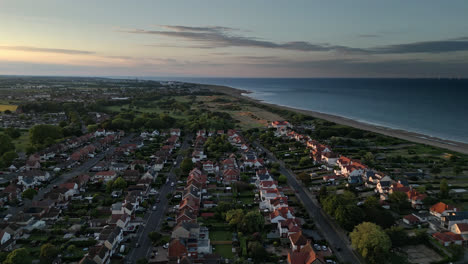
(441, 207)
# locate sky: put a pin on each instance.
(244, 38)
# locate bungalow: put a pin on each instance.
(105, 176)
(411, 220)
(448, 238)
(441, 209)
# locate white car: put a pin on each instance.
(155, 208)
(324, 248)
(166, 246)
(172, 184)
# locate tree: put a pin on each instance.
(282, 179)
(38, 134)
(9, 157)
(234, 217)
(371, 202)
(371, 242)
(154, 236)
(257, 252)
(304, 177)
(186, 165)
(142, 261)
(436, 170)
(119, 184)
(13, 132)
(304, 161)
(368, 158)
(348, 216)
(252, 222)
(400, 199)
(29, 194)
(444, 189)
(457, 170)
(397, 235)
(6, 144)
(17, 256)
(48, 252)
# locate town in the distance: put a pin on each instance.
(99, 171)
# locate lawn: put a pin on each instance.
(220, 235)
(224, 250)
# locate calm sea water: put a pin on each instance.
(434, 107)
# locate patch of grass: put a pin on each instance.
(224, 250)
(220, 235)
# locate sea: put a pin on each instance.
(432, 107)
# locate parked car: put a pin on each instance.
(324, 248)
(166, 246)
(155, 207)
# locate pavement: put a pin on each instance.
(153, 219)
(82, 169)
(331, 232)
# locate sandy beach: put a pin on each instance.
(402, 134)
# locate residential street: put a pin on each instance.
(82, 169)
(153, 219)
(333, 234)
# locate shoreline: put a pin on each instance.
(397, 133)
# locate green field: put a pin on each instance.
(224, 250)
(220, 235)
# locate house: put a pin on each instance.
(185, 216)
(185, 229)
(440, 209)
(297, 240)
(306, 255)
(105, 176)
(448, 238)
(230, 176)
(288, 227)
(176, 250)
(12, 192)
(281, 214)
(411, 220)
(33, 165)
(416, 199)
(459, 217)
(6, 240)
(281, 125)
(384, 184)
(175, 132)
(100, 166)
(131, 175)
(111, 237)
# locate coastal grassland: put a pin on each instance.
(4, 107)
(248, 115)
(173, 106)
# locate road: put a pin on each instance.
(333, 234)
(152, 218)
(83, 168)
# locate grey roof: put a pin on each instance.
(457, 216)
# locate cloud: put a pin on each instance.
(368, 36)
(211, 37)
(438, 46)
(47, 50)
(221, 37)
